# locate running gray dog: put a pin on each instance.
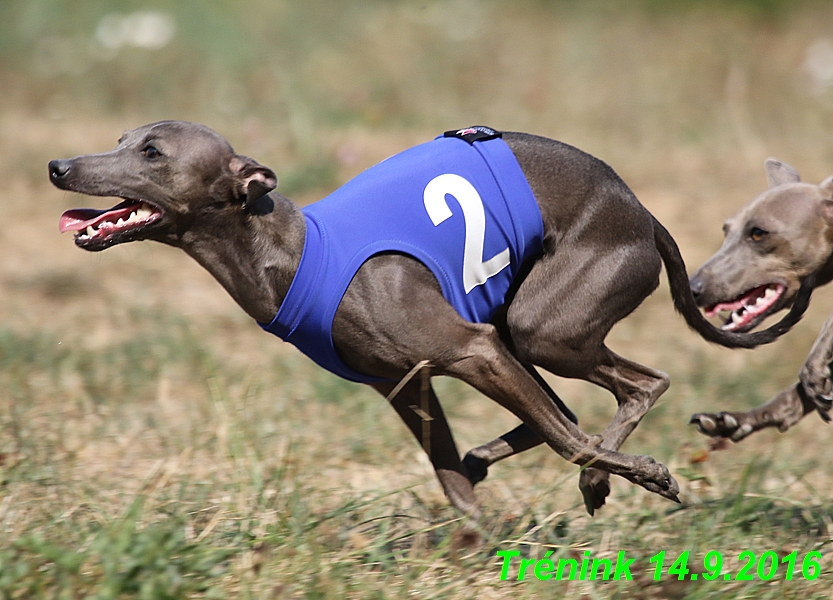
(771, 247)
(577, 254)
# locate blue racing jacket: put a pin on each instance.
(462, 208)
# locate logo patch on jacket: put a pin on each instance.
(476, 133)
(459, 204)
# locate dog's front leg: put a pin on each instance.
(417, 405)
(478, 460)
(815, 374)
(782, 411)
(812, 392)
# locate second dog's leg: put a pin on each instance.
(786, 409)
(783, 411)
(815, 374)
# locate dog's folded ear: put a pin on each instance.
(779, 173)
(253, 179)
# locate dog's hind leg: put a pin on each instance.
(561, 316)
(486, 364)
(636, 388)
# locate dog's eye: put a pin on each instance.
(756, 234)
(151, 152)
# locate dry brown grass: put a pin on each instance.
(130, 374)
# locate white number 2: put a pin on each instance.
(475, 270)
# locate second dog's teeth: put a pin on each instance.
(144, 212)
(770, 292)
(736, 318)
(90, 230)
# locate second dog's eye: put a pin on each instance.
(756, 234)
(151, 152)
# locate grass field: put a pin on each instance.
(154, 443)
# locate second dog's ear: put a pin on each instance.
(253, 179)
(827, 187)
(779, 173)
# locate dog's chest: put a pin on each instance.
(463, 209)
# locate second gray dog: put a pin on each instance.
(778, 240)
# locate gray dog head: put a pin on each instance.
(770, 247)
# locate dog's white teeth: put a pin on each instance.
(760, 300)
(770, 292)
(736, 318)
(90, 230)
(144, 212)
(132, 217)
(120, 221)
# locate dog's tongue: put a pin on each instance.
(78, 219)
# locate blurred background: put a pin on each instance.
(153, 438)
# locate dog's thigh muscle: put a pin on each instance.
(571, 299)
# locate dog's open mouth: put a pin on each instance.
(750, 308)
(101, 228)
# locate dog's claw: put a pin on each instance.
(656, 478)
(823, 402)
(721, 425)
(705, 424)
(742, 432)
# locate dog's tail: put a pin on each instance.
(687, 307)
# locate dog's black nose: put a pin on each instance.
(697, 286)
(58, 169)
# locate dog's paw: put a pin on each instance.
(595, 488)
(721, 425)
(656, 478)
(815, 379)
(476, 468)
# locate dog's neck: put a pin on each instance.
(825, 272)
(253, 254)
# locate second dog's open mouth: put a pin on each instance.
(107, 227)
(750, 308)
